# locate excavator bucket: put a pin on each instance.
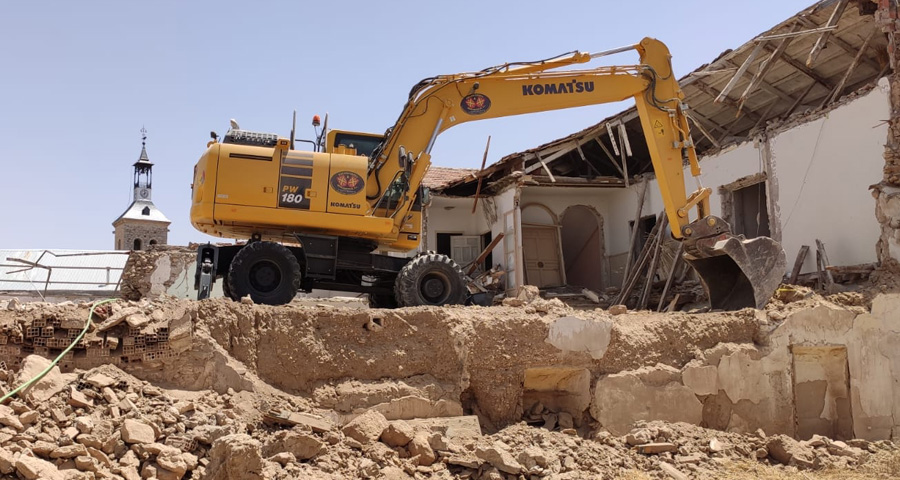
(736, 273)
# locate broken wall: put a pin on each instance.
(818, 174)
(797, 369)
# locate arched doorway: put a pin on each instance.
(582, 247)
(540, 246)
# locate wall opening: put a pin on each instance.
(751, 217)
(645, 226)
(822, 392)
(582, 246)
(137, 244)
(555, 390)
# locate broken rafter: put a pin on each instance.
(799, 100)
(703, 130)
(759, 78)
(832, 22)
(480, 176)
(800, 67)
(840, 86)
(840, 42)
(780, 36)
(612, 159)
(723, 95)
(771, 90)
(705, 88)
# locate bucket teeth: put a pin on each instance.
(737, 273)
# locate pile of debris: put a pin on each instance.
(105, 423)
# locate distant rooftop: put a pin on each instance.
(439, 177)
(143, 210)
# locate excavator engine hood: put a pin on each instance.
(736, 272)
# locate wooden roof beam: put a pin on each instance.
(705, 88)
(840, 42)
(823, 39)
(799, 66)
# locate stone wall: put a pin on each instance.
(149, 233)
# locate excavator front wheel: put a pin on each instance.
(430, 279)
(266, 271)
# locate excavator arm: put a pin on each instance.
(736, 272)
(439, 103)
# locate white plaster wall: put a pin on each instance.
(452, 215)
(824, 169)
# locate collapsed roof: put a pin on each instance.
(803, 64)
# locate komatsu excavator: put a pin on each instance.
(315, 219)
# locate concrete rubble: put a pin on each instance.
(170, 389)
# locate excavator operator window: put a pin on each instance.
(364, 144)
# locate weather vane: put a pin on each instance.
(143, 135)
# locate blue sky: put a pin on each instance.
(80, 79)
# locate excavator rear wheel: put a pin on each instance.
(266, 271)
(430, 279)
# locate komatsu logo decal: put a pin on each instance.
(555, 88)
(346, 205)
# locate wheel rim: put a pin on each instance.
(265, 276)
(435, 288)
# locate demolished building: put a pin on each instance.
(782, 124)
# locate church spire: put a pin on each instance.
(143, 171)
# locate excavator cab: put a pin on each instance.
(736, 272)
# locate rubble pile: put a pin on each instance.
(105, 423)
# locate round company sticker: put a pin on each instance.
(347, 183)
(475, 104)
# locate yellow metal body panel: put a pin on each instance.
(346, 185)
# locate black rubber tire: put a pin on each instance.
(382, 301)
(430, 279)
(226, 290)
(266, 271)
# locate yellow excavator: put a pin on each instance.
(326, 218)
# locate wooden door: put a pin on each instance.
(540, 247)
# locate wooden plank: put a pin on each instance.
(740, 72)
(546, 168)
(639, 267)
(840, 42)
(840, 86)
(484, 253)
(798, 101)
(654, 262)
(798, 264)
(822, 259)
(671, 278)
(766, 67)
(705, 88)
(634, 230)
(609, 155)
(820, 43)
(480, 176)
(800, 67)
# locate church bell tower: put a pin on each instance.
(142, 224)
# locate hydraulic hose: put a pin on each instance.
(39, 376)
